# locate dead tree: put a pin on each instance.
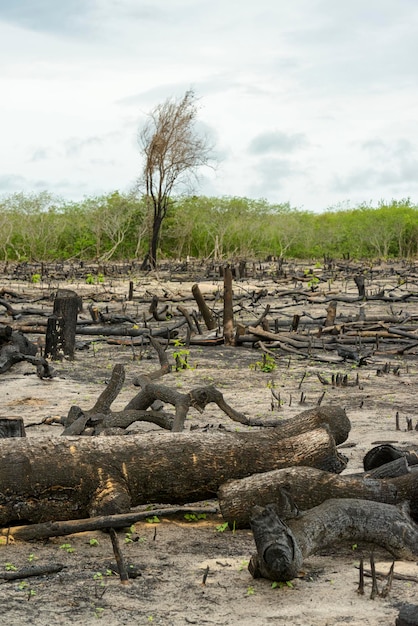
(282, 547)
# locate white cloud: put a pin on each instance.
(297, 94)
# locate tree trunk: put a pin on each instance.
(207, 314)
(69, 478)
(228, 315)
(331, 313)
(155, 238)
(308, 488)
(281, 547)
(359, 280)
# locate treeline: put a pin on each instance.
(41, 227)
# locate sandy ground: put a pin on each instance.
(173, 554)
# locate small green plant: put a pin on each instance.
(250, 591)
(67, 547)
(194, 517)
(280, 584)
(153, 520)
(221, 528)
(93, 542)
(32, 558)
(35, 278)
(242, 565)
(10, 567)
(98, 612)
(181, 356)
(94, 280)
(267, 364)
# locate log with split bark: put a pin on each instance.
(75, 477)
(283, 546)
(310, 487)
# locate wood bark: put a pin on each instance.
(74, 477)
(309, 487)
(282, 547)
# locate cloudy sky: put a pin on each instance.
(312, 102)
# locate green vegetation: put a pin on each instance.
(267, 364)
(41, 227)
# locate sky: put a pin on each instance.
(311, 102)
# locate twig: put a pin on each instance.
(120, 561)
(34, 570)
(69, 527)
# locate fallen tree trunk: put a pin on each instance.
(70, 478)
(309, 487)
(282, 547)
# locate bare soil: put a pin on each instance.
(173, 555)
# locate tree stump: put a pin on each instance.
(61, 326)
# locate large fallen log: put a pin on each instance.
(282, 547)
(309, 487)
(69, 478)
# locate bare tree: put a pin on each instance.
(174, 151)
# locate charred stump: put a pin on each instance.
(61, 326)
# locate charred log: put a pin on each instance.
(75, 477)
(310, 487)
(282, 547)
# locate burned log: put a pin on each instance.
(282, 547)
(386, 453)
(15, 347)
(310, 487)
(74, 477)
